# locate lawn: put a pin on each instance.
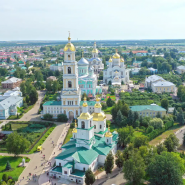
(53, 96)
(69, 135)
(113, 97)
(17, 126)
(107, 110)
(14, 162)
(165, 134)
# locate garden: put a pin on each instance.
(34, 132)
(10, 166)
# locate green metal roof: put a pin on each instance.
(70, 144)
(102, 132)
(21, 62)
(57, 169)
(68, 165)
(78, 173)
(147, 107)
(52, 103)
(89, 103)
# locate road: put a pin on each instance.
(180, 134)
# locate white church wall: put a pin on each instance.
(101, 159)
(80, 166)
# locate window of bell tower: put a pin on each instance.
(69, 84)
(69, 70)
(90, 123)
(83, 124)
(69, 57)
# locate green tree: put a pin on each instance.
(158, 115)
(165, 169)
(156, 123)
(119, 161)
(130, 118)
(149, 129)
(23, 88)
(89, 177)
(83, 96)
(38, 76)
(161, 148)
(109, 163)
(140, 140)
(125, 135)
(55, 86)
(5, 177)
(33, 95)
(48, 117)
(8, 166)
(134, 169)
(180, 118)
(119, 118)
(101, 75)
(62, 117)
(171, 143)
(165, 103)
(109, 102)
(16, 144)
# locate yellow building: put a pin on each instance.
(163, 86)
(148, 110)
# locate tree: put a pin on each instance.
(180, 118)
(164, 103)
(23, 88)
(101, 75)
(166, 169)
(171, 143)
(62, 117)
(119, 118)
(89, 177)
(55, 86)
(5, 177)
(134, 169)
(184, 139)
(49, 85)
(140, 140)
(174, 112)
(83, 96)
(161, 148)
(158, 115)
(120, 159)
(110, 83)
(38, 76)
(109, 163)
(16, 144)
(109, 102)
(130, 118)
(8, 166)
(156, 123)
(48, 117)
(33, 95)
(125, 135)
(149, 129)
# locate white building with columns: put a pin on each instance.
(116, 73)
(87, 149)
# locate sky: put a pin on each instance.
(92, 20)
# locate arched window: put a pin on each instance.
(100, 126)
(68, 57)
(76, 112)
(69, 70)
(83, 124)
(69, 84)
(90, 123)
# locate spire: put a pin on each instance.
(94, 45)
(85, 102)
(69, 38)
(108, 133)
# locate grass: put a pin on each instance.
(42, 139)
(108, 110)
(17, 126)
(14, 162)
(113, 97)
(53, 96)
(165, 134)
(183, 181)
(69, 135)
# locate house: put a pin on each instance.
(9, 106)
(181, 69)
(152, 70)
(11, 83)
(56, 67)
(151, 79)
(21, 63)
(182, 59)
(137, 63)
(163, 86)
(148, 110)
(52, 78)
(135, 71)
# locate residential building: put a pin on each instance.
(87, 149)
(137, 63)
(152, 70)
(163, 86)
(181, 69)
(116, 73)
(21, 63)
(135, 71)
(151, 79)
(11, 83)
(95, 61)
(148, 110)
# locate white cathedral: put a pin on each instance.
(116, 73)
(92, 140)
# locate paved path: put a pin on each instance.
(37, 158)
(180, 134)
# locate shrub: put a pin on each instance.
(156, 123)
(149, 129)
(104, 106)
(62, 117)
(72, 125)
(25, 106)
(5, 177)
(48, 117)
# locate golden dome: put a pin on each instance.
(116, 55)
(110, 60)
(97, 99)
(108, 134)
(97, 105)
(98, 116)
(85, 116)
(74, 129)
(94, 51)
(122, 60)
(69, 46)
(85, 103)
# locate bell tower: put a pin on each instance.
(70, 95)
(94, 51)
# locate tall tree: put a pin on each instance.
(16, 144)
(166, 169)
(180, 118)
(55, 86)
(165, 103)
(8, 166)
(130, 118)
(119, 161)
(134, 169)
(109, 163)
(161, 148)
(33, 95)
(89, 177)
(119, 118)
(140, 140)
(171, 143)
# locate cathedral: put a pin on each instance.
(87, 149)
(116, 73)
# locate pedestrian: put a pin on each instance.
(23, 177)
(54, 153)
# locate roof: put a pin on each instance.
(78, 173)
(154, 78)
(57, 169)
(181, 67)
(52, 103)
(12, 100)
(12, 80)
(89, 103)
(68, 165)
(82, 62)
(58, 64)
(163, 83)
(97, 59)
(140, 51)
(152, 107)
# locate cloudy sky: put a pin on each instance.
(92, 20)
